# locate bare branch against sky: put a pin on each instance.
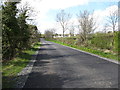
(63, 18)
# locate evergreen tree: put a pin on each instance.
(16, 33)
(24, 31)
(10, 29)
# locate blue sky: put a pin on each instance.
(91, 6)
(46, 18)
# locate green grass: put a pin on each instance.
(11, 68)
(97, 52)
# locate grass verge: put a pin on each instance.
(11, 68)
(97, 52)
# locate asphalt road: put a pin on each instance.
(58, 66)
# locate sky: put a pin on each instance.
(46, 10)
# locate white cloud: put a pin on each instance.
(62, 4)
(99, 15)
(43, 6)
(102, 16)
(46, 25)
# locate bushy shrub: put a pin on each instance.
(97, 40)
(103, 41)
(117, 41)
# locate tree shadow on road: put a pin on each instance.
(46, 44)
(48, 57)
(40, 80)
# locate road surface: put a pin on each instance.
(58, 66)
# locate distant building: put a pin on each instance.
(65, 35)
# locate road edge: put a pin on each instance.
(24, 74)
(110, 60)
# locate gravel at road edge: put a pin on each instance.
(24, 74)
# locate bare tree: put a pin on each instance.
(105, 28)
(30, 12)
(53, 30)
(72, 29)
(63, 18)
(113, 20)
(49, 34)
(87, 24)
